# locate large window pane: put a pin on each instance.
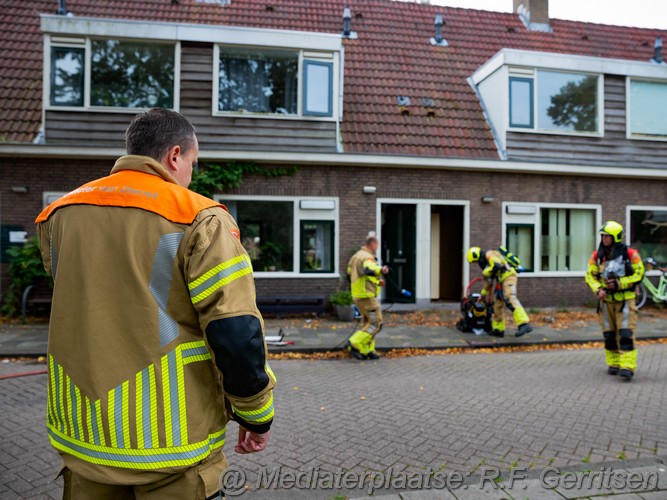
(566, 101)
(258, 82)
(266, 232)
(67, 76)
(648, 233)
(520, 238)
(131, 74)
(648, 108)
(567, 240)
(317, 246)
(521, 102)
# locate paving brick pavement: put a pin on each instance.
(469, 414)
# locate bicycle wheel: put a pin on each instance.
(641, 294)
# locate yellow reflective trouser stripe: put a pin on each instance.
(613, 358)
(131, 458)
(77, 423)
(264, 414)
(628, 359)
(219, 276)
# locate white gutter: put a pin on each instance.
(354, 160)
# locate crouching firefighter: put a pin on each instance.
(496, 267)
(366, 279)
(614, 270)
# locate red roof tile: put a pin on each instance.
(392, 56)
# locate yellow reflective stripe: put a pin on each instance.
(97, 424)
(68, 406)
(53, 401)
(166, 403)
(111, 417)
(244, 267)
(89, 421)
(125, 388)
(264, 414)
(139, 408)
(79, 413)
(180, 380)
(143, 459)
(153, 405)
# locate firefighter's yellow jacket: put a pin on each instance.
(494, 266)
(155, 340)
(364, 272)
(632, 270)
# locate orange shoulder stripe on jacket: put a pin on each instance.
(134, 189)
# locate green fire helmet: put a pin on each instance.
(613, 229)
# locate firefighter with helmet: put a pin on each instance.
(495, 267)
(366, 279)
(614, 270)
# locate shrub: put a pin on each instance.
(25, 268)
(341, 298)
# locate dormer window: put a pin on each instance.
(271, 81)
(554, 101)
(111, 73)
(647, 109)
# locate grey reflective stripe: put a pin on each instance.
(118, 415)
(93, 418)
(225, 273)
(626, 316)
(196, 351)
(161, 274)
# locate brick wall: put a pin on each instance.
(358, 210)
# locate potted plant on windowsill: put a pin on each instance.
(344, 305)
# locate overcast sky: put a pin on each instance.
(640, 13)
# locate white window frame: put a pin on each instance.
(535, 219)
(628, 133)
(46, 195)
(532, 73)
(300, 214)
(628, 220)
(328, 57)
(85, 43)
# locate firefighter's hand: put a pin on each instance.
(385, 269)
(251, 442)
(602, 293)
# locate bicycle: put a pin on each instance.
(646, 288)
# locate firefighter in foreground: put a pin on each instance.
(155, 340)
(366, 279)
(496, 267)
(614, 270)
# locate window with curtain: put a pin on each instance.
(317, 246)
(258, 82)
(520, 239)
(568, 237)
(648, 108)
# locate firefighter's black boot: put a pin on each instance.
(625, 374)
(372, 355)
(613, 370)
(497, 333)
(524, 329)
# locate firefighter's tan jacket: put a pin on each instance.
(141, 267)
(364, 274)
(494, 266)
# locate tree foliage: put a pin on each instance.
(574, 107)
(214, 178)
